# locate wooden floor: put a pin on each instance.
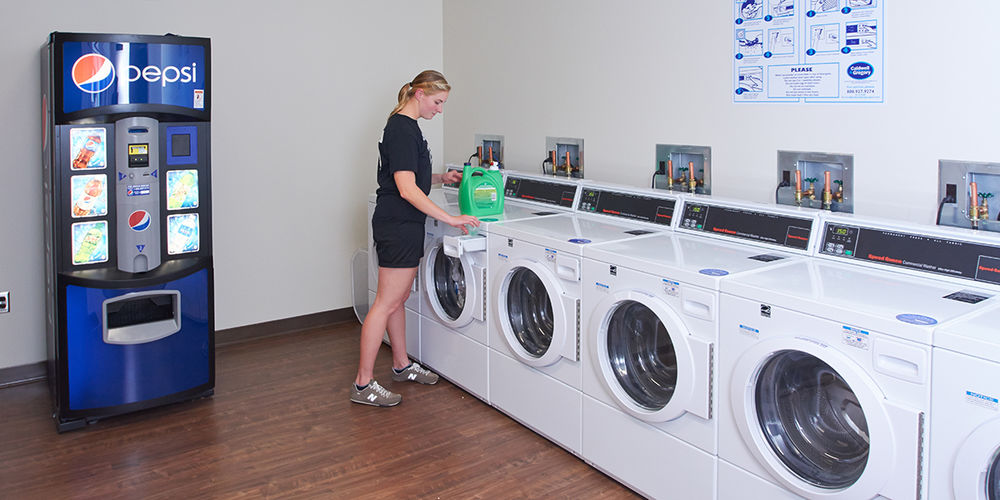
(280, 426)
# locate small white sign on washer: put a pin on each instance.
(856, 337)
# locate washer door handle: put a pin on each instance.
(568, 268)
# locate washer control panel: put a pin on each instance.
(542, 191)
(741, 223)
(626, 205)
(919, 252)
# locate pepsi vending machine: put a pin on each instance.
(128, 223)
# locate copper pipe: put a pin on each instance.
(973, 201)
(798, 187)
(827, 195)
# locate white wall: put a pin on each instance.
(622, 75)
(625, 76)
(301, 91)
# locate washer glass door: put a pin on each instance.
(529, 311)
(812, 419)
(993, 479)
(449, 284)
(642, 355)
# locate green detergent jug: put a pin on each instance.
(481, 191)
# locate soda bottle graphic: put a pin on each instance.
(182, 189)
(88, 246)
(182, 234)
(84, 205)
(86, 152)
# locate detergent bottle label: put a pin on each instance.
(484, 196)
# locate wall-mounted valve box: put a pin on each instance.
(564, 157)
(965, 190)
(683, 168)
(489, 148)
(816, 180)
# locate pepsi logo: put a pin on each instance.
(93, 73)
(139, 220)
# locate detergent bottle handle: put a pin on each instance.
(477, 171)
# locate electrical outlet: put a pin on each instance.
(4, 302)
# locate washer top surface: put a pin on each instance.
(695, 260)
(910, 307)
(511, 212)
(568, 232)
(976, 335)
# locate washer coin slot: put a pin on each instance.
(766, 257)
(966, 296)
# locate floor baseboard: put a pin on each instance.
(282, 326)
(34, 372)
(24, 374)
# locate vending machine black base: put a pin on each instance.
(128, 223)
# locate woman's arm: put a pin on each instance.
(406, 183)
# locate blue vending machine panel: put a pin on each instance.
(103, 372)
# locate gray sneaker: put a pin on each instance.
(375, 395)
(415, 373)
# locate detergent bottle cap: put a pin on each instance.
(494, 166)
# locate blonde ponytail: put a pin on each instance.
(430, 81)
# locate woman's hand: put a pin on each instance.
(460, 221)
(451, 176)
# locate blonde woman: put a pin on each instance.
(404, 179)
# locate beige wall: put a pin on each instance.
(626, 76)
(622, 75)
(289, 193)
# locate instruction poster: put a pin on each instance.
(808, 51)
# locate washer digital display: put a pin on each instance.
(628, 206)
(792, 232)
(964, 259)
(552, 193)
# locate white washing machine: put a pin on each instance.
(535, 288)
(651, 335)
(825, 364)
(454, 308)
(965, 402)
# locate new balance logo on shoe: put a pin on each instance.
(412, 376)
(374, 395)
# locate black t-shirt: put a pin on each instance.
(402, 148)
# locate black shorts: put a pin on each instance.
(398, 244)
